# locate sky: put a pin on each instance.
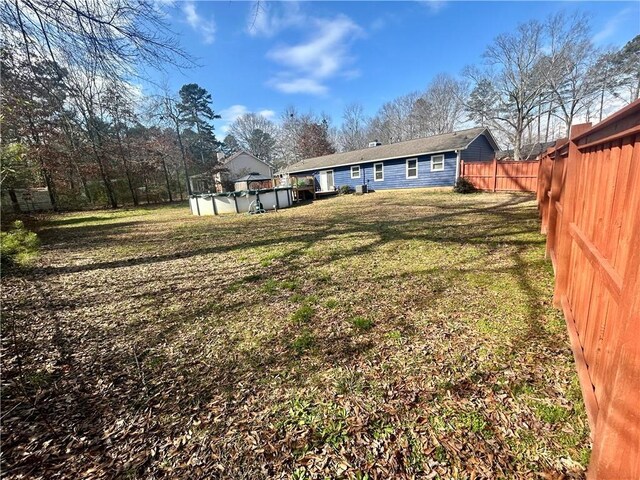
(321, 56)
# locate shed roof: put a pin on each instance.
(437, 143)
(253, 177)
(528, 151)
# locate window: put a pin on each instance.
(412, 168)
(437, 163)
(355, 171)
(378, 172)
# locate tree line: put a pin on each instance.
(72, 121)
(530, 87)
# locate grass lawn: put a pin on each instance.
(405, 334)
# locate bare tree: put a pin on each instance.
(441, 107)
(353, 131)
(515, 80)
(255, 134)
(568, 64)
(108, 36)
(628, 63)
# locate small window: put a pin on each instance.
(412, 168)
(355, 171)
(378, 172)
(437, 163)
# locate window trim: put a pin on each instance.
(359, 171)
(407, 168)
(381, 171)
(437, 169)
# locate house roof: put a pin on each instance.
(447, 142)
(233, 156)
(527, 152)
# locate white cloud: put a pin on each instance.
(205, 27)
(434, 6)
(299, 85)
(325, 55)
(231, 114)
(266, 19)
(611, 26)
(267, 113)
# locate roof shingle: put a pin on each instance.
(438, 143)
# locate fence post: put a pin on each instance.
(495, 173)
(562, 235)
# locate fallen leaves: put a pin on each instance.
(153, 344)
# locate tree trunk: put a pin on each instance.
(546, 133)
(46, 174)
(103, 174)
(184, 160)
(14, 201)
(166, 179)
(178, 182)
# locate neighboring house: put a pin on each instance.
(529, 151)
(240, 164)
(424, 162)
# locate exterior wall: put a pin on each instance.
(30, 200)
(479, 150)
(245, 164)
(271, 199)
(395, 174)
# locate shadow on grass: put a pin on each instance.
(98, 380)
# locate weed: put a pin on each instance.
(395, 335)
(331, 303)
(302, 314)
(289, 284)
(297, 298)
(381, 429)
(300, 473)
(270, 286)
(350, 382)
(362, 323)
(550, 413)
(18, 246)
(303, 342)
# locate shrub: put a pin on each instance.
(18, 246)
(345, 190)
(464, 186)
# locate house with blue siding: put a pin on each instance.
(423, 162)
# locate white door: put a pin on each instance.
(326, 181)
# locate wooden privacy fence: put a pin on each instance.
(501, 176)
(589, 199)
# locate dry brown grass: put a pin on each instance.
(394, 335)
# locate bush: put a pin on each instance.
(345, 190)
(18, 246)
(464, 186)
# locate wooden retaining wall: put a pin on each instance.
(589, 199)
(501, 176)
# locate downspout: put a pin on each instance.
(457, 165)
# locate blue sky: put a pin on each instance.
(323, 55)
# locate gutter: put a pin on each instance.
(457, 164)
